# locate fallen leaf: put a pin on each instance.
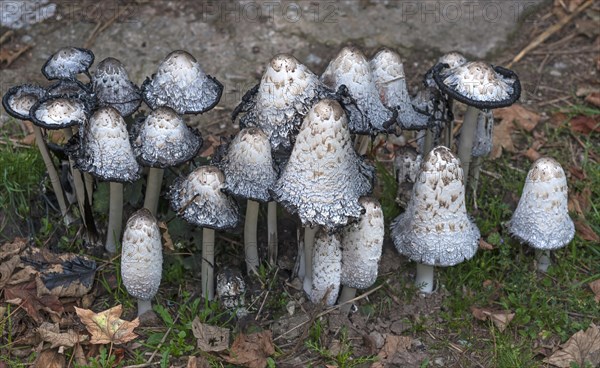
(593, 98)
(50, 358)
(577, 172)
(197, 362)
(210, 338)
(485, 245)
(515, 114)
(8, 56)
(50, 332)
(7, 268)
(500, 319)
(532, 155)
(580, 202)
(26, 295)
(585, 124)
(252, 350)
(595, 286)
(166, 237)
(582, 348)
(13, 248)
(106, 327)
(393, 345)
(585, 232)
(558, 119)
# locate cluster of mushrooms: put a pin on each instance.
(301, 145)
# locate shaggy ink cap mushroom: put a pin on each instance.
(351, 69)
(482, 145)
(141, 255)
(103, 148)
(435, 229)
(181, 84)
(248, 166)
(67, 62)
(163, 139)
(230, 289)
(19, 100)
(57, 112)
(453, 59)
(113, 87)
(362, 243)
(199, 199)
(326, 268)
(324, 177)
(478, 84)
(542, 217)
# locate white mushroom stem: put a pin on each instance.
(153, 184)
(272, 241)
(309, 242)
(362, 144)
(52, 173)
(208, 262)
(542, 258)
(424, 279)
(115, 216)
(347, 293)
(144, 306)
(250, 239)
(465, 145)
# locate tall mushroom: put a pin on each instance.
(142, 258)
(542, 216)
(113, 88)
(199, 200)
(435, 229)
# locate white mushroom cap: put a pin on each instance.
(181, 84)
(200, 201)
(59, 112)
(542, 218)
(435, 228)
(19, 99)
(326, 268)
(67, 62)
(453, 59)
(113, 88)
(141, 255)
(248, 166)
(164, 140)
(361, 246)
(482, 145)
(324, 178)
(351, 68)
(104, 149)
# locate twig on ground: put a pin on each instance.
(6, 35)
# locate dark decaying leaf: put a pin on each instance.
(210, 338)
(50, 358)
(252, 350)
(26, 295)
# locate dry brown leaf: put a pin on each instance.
(532, 155)
(593, 98)
(13, 248)
(210, 338)
(210, 145)
(106, 327)
(485, 245)
(26, 295)
(595, 286)
(585, 124)
(166, 237)
(6, 269)
(581, 348)
(580, 202)
(50, 332)
(510, 118)
(393, 345)
(50, 358)
(500, 319)
(9, 55)
(585, 232)
(197, 362)
(252, 350)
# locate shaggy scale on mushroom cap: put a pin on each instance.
(59, 112)
(453, 59)
(351, 68)
(164, 140)
(361, 246)
(248, 166)
(103, 148)
(141, 255)
(482, 145)
(324, 177)
(114, 88)
(435, 228)
(327, 268)
(19, 99)
(388, 73)
(542, 218)
(181, 84)
(199, 199)
(67, 62)
(478, 84)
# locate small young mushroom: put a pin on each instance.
(406, 166)
(162, 140)
(542, 216)
(67, 62)
(435, 229)
(142, 258)
(199, 200)
(231, 289)
(181, 84)
(326, 268)
(113, 88)
(249, 174)
(361, 250)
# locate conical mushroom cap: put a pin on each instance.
(67, 62)
(361, 246)
(59, 112)
(482, 145)
(248, 166)
(324, 177)
(435, 228)
(542, 217)
(141, 255)
(181, 84)
(479, 84)
(113, 87)
(164, 140)
(286, 92)
(199, 199)
(19, 99)
(326, 268)
(351, 68)
(103, 149)
(388, 73)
